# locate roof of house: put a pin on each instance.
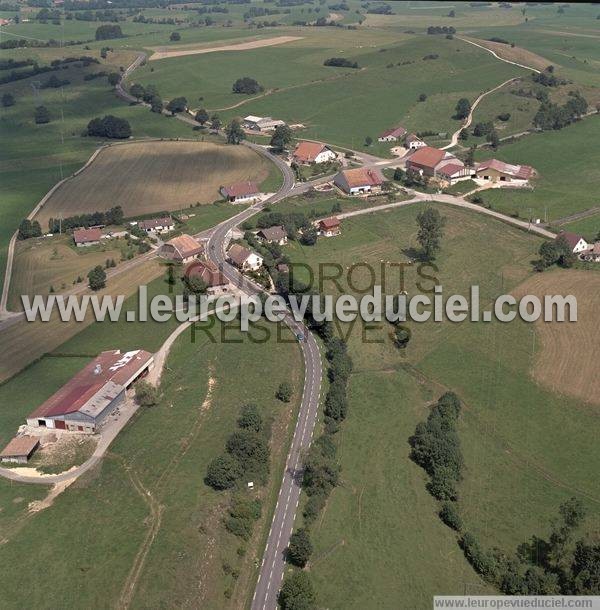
(362, 176)
(411, 137)
(596, 248)
(308, 151)
(238, 255)
(208, 272)
(451, 169)
(427, 156)
(84, 236)
(152, 223)
(275, 233)
(572, 238)
(253, 119)
(395, 132)
(329, 223)
(522, 172)
(20, 446)
(185, 245)
(240, 189)
(92, 388)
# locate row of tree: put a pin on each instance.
(113, 216)
(109, 127)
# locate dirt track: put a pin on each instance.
(567, 352)
(162, 53)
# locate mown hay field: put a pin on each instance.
(149, 177)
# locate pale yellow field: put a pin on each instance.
(179, 51)
(567, 354)
(150, 177)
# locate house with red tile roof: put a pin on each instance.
(429, 161)
(392, 135)
(329, 227)
(93, 393)
(359, 181)
(241, 192)
(494, 170)
(210, 274)
(87, 237)
(307, 153)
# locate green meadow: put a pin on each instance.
(516, 435)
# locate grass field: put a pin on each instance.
(516, 433)
(589, 227)
(563, 187)
(149, 177)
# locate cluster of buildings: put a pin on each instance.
(85, 401)
(400, 134)
(261, 123)
(584, 250)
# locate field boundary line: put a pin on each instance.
(508, 61)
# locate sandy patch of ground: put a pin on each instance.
(567, 353)
(516, 54)
(57, 489)
(163, 53)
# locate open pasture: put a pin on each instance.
(149, 177)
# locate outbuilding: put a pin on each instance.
(494, 170)
(392, 135)
(359, 181)
(181, 249)
(20, 449)
(241, 192)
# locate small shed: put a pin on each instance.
(20, 449)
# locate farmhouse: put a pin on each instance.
(244, 259)
(210, 274)
(329, 227)
(392, 135)
(359, 181)
(20, 449)
(494, 170)
(259, 123)
(181, 249)
(85, 401)
(577, 244)
(312, 152)
(273, 235)
(157, 225)
(430, 161)
(87, 237)
(241, 192)
(412, 142)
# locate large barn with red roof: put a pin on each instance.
(86, 399)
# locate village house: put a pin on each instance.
(429, 161)
(87, 237)
(593, 253)
(576, 242)
(93, 393)
(20, 449)
(259, 123)
(244, 259)
(241, 192)
(392, 135)
(273, 235)
(181, 249)
(329, 227)
(210, 274)
(359, 181)
(157, 225)
(412, 142)
(494, 170)
(307, 153)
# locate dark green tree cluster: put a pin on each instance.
(321, 474)
(282, 137)
(463, 107)
(340, 367)
(108, 32)
(247, 453)
(297, 592)
(177, 105)
(441, 29)
(299, 548)
(411, 178)
(146, 395)
(234, 132)
(114, 216)
(243, 512)
(28, 229)
(436, 447)
(112, 127)
(483, 128)
(547, 78)
(557, 252)
(41, 115)
(284, 392)
(341, 62)
(8, 99)
(97, 278)
(552, 116)
(247, 85)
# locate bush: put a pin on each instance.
(146, 395)
(300, 548)
(449, 515)
(108, 32)
(8, 99)
(222, 472)
(175, 36)
(250, 418)
(110, 126)
(42, 115)
(504, 116)
(284, 392)
(341, 62)
(247, 85)
(97, 278)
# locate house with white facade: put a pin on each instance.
(307, 153)
(244, 259)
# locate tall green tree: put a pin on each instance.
(282, 136)
(177, 104)
(97, 278)
(300, 548)
(297, 592)
(431, 224)
(463, 107)
(201, 116)
(235, 133)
